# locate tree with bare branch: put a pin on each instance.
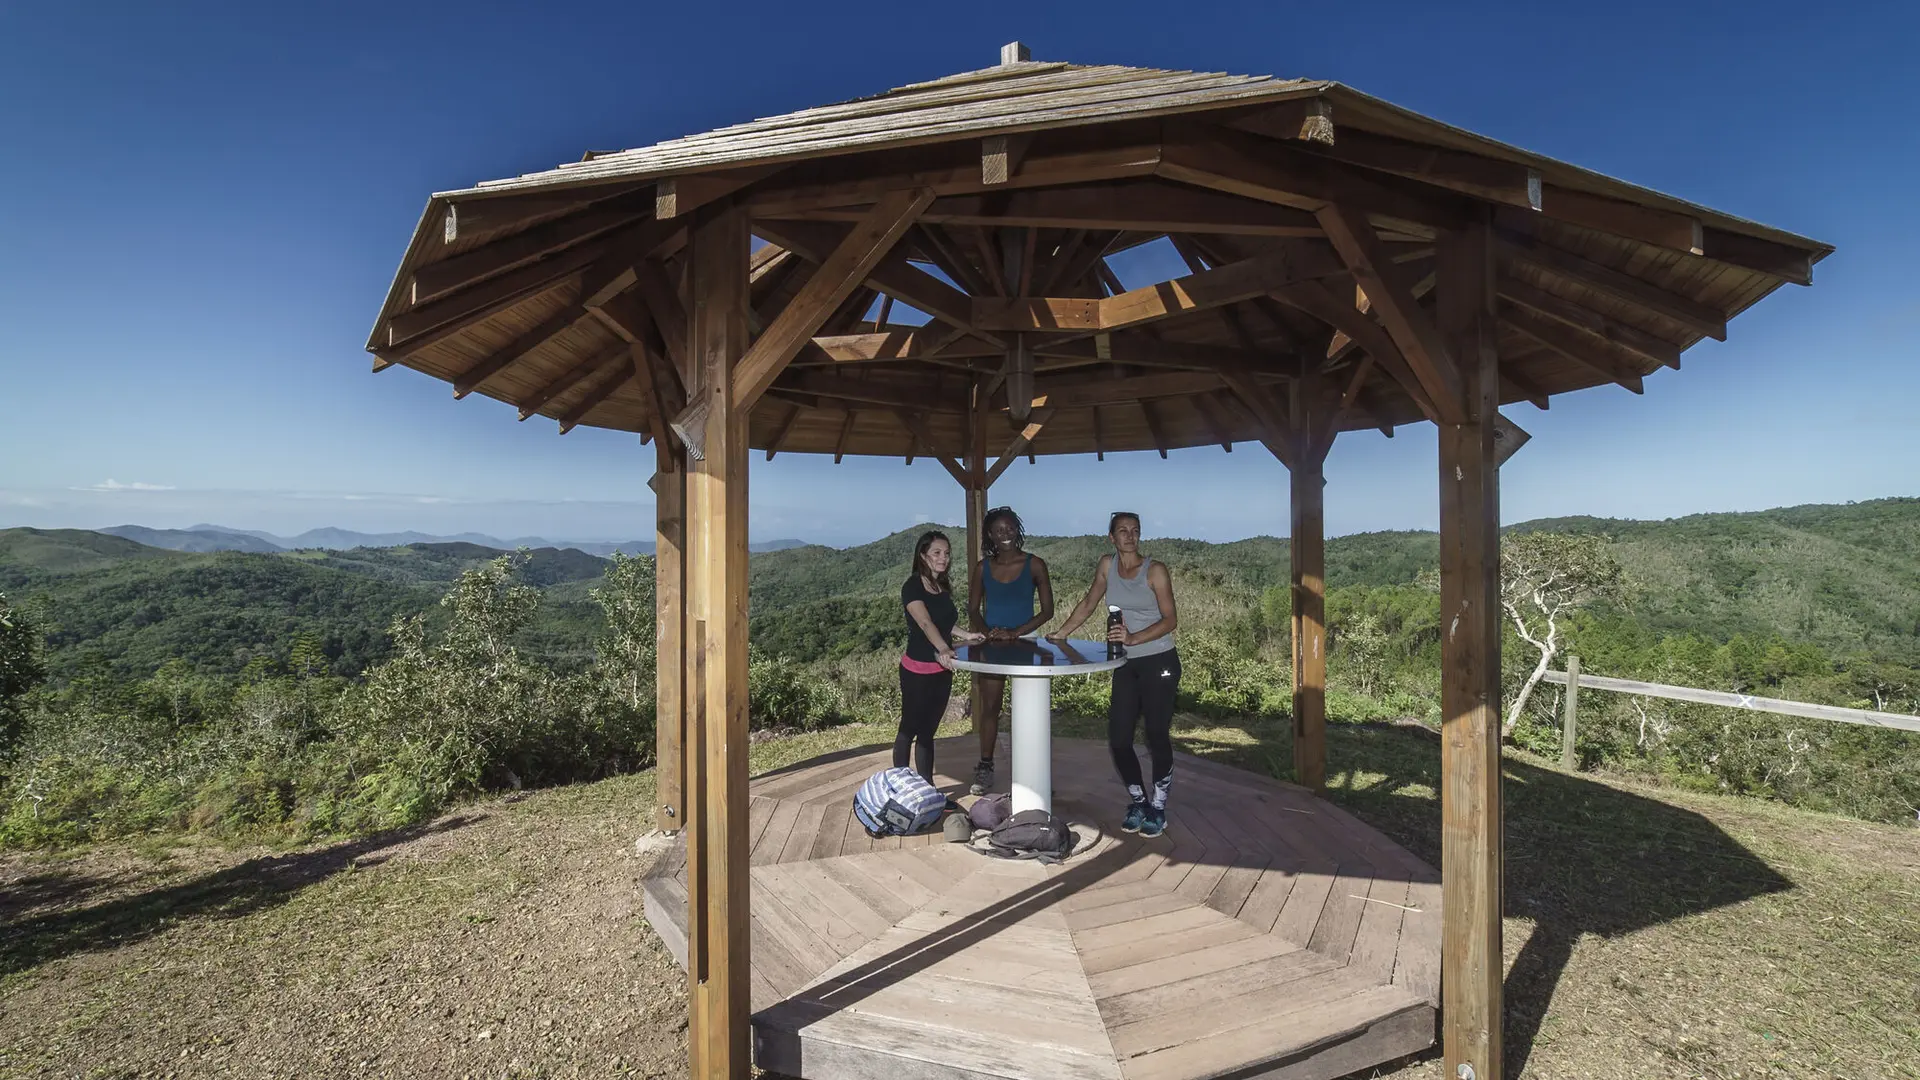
(1544, 576)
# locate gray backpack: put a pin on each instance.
(1032, 834)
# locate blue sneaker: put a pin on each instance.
(1136, 813)
(1154, 822)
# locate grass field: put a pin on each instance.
(1649, 934)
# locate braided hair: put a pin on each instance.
(986, 529)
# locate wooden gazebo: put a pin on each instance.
(1352, 265)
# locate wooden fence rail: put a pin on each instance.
(1583, 681)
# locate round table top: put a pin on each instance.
(1035, 657)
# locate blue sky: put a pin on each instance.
(204, 205)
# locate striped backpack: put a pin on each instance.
(897, 802)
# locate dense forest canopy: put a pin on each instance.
(1819, 603)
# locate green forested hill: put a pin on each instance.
(1845, 578)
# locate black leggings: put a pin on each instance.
(1143, 689)
(923, 701)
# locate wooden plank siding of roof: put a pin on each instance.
(1037, 172)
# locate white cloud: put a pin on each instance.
(115, 485)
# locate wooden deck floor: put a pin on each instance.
(1268, 933)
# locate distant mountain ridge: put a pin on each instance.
(206, 537)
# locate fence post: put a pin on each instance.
(1570, 717)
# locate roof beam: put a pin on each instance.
(1647, 224)
(1128, 204)
(678, 196)
(1690, 313)
(780, 433)
(846, 432)
(1522, 388)
(893, 275)
(486, 213)
(1419, 340)
(470, 380)
(1589, 352)
(1019, 444)
(598, 394)
(626, 315)
(468, 268)
(1317, 300)
(892, 395)
(1308, 119)
(850, 263)
(1000, 157)
(1227, 284)
(1068, 393)
(1275, 172)
(1630, 338)
(1207, 405)
(440, 319)
(587, 368)
(1275, 433)
(854, 185)
(894, 345)
(1488, 178)
(1783, 261)
(1156, 430)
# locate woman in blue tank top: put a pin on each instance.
(1145, 687)
(1000, 600)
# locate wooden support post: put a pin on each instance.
(669, 578)
(1308, 545)
(1470, 802)
(976, 471)
(718, 915)
(1570, 716)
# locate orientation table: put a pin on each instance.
(1031, 665)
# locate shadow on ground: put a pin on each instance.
(29, 940)
(1582, 857)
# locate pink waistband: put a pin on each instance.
(920, 667)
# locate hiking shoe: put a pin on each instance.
(1136, 813)
(1154, 822)
(982, 778)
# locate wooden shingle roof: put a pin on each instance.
(1291, 201)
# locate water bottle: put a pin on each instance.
(1115, 650)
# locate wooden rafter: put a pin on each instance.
(1695, 316)
(1522, 387)
(1000, 157)
(916, 397)
(678, 196)
(853, 186)
(1408, 324)
(1632, 339)
(433, 322)
(1582, 348)
(1318, 301)
(1020, 444)
(1145, 205)
(849, 264)
(434, 280)
(1307, 119)
(1079, 393)
(780, 433)
(600, 392)
(1207, 405)
(846, 432)
(1276, 433)
(1156, 428)
(572, 377)
(1196, 292)
(471, 379)
(1221, 159)
(893, 275)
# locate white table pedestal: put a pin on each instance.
(1032, 743)
(1031, 665)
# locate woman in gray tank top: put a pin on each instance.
(1143, 688)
